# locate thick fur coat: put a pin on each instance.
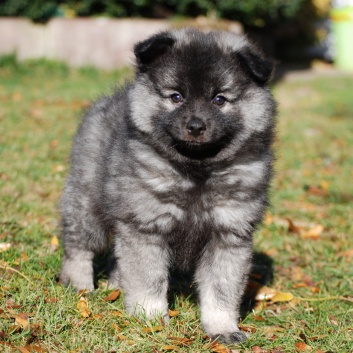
(172, 172)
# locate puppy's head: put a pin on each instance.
(200, 96)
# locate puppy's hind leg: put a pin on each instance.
(221, 277)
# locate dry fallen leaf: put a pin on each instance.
(268, 220)
(313, 233)
(22, 320)
(302, 347)
(152, 329)
(181, 340)
(116, 313)
(292, 228)
(317, 190)
(218, 348)
(121, 337)
(173, 313)
(4, 247)
(258, 318)
(246, 328)
(82, 307)
(282, 297)
(54, 244)
(169, 348)
(23, 349)
(51, 300)
(265, 293)
(11, 304)
(346, 253)
(112, 296)
(35, 348)
(270, 330)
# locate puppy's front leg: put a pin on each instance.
(143, 262)
(221, 277)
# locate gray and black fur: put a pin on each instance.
(176, 166)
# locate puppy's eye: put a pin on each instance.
(176, 98)
(219, 100)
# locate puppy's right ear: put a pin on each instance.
(149, 50)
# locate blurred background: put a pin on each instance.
(56, 57)
(102, 33)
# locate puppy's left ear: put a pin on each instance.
(257, 66)
(149, 50)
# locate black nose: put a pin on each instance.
(195, 127)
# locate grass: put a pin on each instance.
(40, 106)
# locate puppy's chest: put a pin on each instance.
(184, 207)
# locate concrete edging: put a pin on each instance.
(101, 42)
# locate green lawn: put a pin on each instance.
(304, 248)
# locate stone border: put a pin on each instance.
(101, 42)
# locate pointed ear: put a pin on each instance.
(152, 48)
(257, 66)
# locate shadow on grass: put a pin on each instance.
(182, 286)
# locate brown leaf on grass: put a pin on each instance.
(35, 348)
(302, 347)
(265, 293)
(51, 300)
(271, 252)
(121, 337)
(116, 327)
(152, 329)
(23, 349)
(24, 256)
(282, 297)
(333, 320)
(173, 313)
(116, 313)
(54, 244)
(270, 330)
(268, 219)
(299, 285)
(169, 348)
(53, 144)
(296, 273)
(292, 228)
(82, 307)
(313, 233)
(346, 253)
(258, 318)
(10, 304)
(181, 341)
(21, 320)
(315, 290)
(257, 349)
(3, 343)
(218, 348)
(247, 328)
(318, 190)
(112, 296)
(98, 316)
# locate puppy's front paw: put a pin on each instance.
(78, 272)
(229, 338)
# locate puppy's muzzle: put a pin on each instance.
(195, 127)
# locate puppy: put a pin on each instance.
(172, 172)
